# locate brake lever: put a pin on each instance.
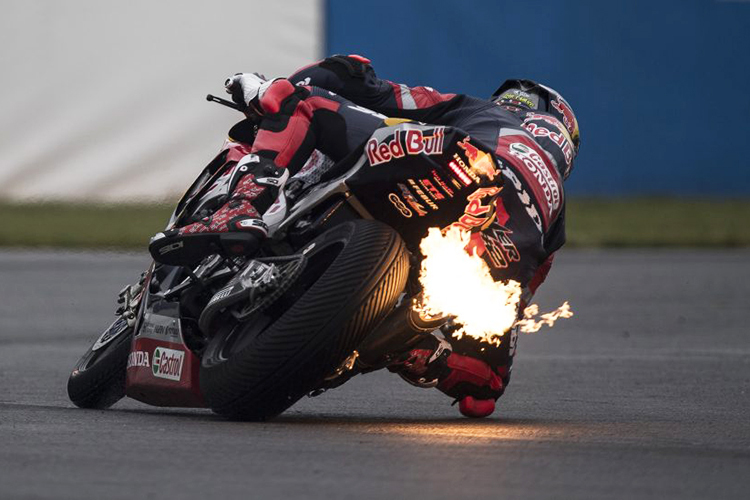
(224, 102)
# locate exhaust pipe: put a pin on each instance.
(396, 334)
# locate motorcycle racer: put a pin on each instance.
(535, 139)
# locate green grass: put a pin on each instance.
(645, 222)
(81, 226)
(658, 222)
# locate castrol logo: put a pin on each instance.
(167, 363)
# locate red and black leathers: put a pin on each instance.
(519, 237)
(296, 120)
(299, 119)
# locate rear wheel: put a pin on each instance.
(353, 277)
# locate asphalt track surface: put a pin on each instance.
(645, 393)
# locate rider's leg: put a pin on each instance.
(472, 373)
(237, 228)
(297, 121)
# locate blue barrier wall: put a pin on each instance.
(661, 88)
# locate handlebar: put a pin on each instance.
(224, 102)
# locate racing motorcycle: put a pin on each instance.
(329, 295)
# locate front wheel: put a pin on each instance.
(98, 379)
(354, 275)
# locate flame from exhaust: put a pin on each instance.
(458, 283)
(529, 325)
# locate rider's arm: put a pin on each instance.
(284, 134)
(352, 77)
(300, 119)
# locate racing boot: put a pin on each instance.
(235, 229)
(470, 381)
(425, 363)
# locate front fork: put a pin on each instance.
(129, 299)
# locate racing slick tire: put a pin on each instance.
(354, 275)
(98, 379)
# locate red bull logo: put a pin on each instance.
(559, 139)
(481, 162)
(472, 153)
(405, 142)
(568, 117)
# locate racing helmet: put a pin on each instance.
(534, 96)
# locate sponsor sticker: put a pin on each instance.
(138, 359)
(430, 188)
(167, 363)
(523, 196)
(493, 242)
(428, 201)
(411, 200)
(156, 325)
(461, 171)
(500, 248)
(481, 162)
(546, 118)
(396, 202)
(568, 117)
(170, 248)
(405, 142)
(442, 184)
(557, 138)
(520, 97)
(539, 170)
(479, 211)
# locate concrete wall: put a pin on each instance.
(104, 99)
(661, 87)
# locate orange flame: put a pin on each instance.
(456, 282)
(459, 284)
(529, 325)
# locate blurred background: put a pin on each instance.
(103, 121)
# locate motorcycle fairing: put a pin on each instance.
(195, 197)
(159, 342)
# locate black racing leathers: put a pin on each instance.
(526, 224)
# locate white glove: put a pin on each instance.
(247, 88)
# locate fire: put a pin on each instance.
(458, 283)
(529, 325)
